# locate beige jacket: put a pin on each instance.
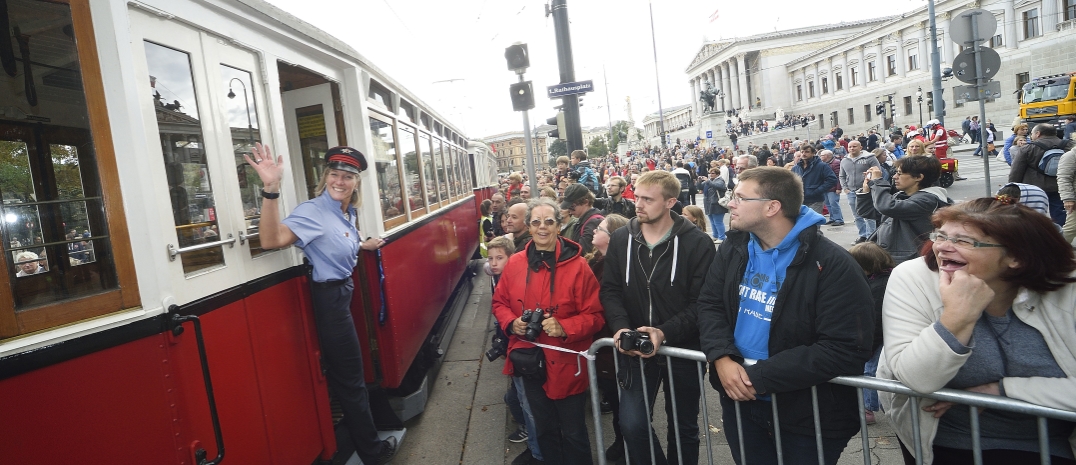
(918, 357)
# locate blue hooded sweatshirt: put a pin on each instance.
(762, 280)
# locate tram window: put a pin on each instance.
(54, 219)
(313, 143)
(429, 172)
(390, 190)
(439, 161)
(183, 148)
(412, 176)
(241, 114)
(460, 186)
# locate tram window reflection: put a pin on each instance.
(429, 171)
(240, 112)
(390, 190)
(439, 162)
(185, 157)
(411, 164)
(29, 263)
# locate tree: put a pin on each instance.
(597, 147)
(558, 148)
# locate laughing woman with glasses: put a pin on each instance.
(987, 309)
(550, 278)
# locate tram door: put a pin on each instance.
(310, 120)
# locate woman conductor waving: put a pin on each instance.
(324, 227)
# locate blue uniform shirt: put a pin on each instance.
(328, 240)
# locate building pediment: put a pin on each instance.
(707, 51)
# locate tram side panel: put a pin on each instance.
(422, 268)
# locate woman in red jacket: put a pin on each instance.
(551, 278)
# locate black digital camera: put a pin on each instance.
(533, 318)
(635, 340)
(498, 346)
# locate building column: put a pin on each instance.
(901, 56)
(942, 22)
(924, 40)
(792, 92)
(695, 103)
(882, 71)
(745, 93)
(734, 81)
(726, 88)
(1008, 37)
(817, 81)
(862, 65)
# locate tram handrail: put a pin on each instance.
(173, 251)
(972, 400)
(244, 237)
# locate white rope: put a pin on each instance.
(578, 353)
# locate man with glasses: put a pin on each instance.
(616, 203)
(817, 177)
(783, 310)
(654, 271)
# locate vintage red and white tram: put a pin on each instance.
(136, 284)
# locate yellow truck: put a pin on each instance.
(1046, 99)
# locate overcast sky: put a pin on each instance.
(451, 53)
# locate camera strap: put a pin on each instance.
(578, 354)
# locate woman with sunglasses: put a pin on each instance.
(552, 279)
(987, 309)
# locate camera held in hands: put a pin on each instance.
(533, 318)
(634, 340)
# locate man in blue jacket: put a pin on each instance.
(782, 310)
(817, 177)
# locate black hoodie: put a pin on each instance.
(660, 286)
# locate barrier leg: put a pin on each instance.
(976, 440)
(596, 409)
(739, 433)
(705, 413)
(649, 411)
(777, 431)
(1044, 441)
(863, 427)
(676, 416)
(817, 426)
(917, 442)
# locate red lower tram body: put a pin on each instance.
(136, 394)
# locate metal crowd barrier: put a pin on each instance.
(972, 400)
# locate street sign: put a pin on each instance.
(570, 88)
(965, 94)
(709, 134)
(960, 27)
(964, 64)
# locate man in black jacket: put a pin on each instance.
(579, 201)
(654, 271)
(616, 203)
(793, 307)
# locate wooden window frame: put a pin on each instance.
(125, 295)
(430, 206)
(425, 208)
(393, 222)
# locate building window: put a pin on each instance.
(810, 89)
(851, 116)
(840, 82)
(1021, 79)
(996, 41)
(855, 77)
(913, 60)
(867, 110)
(825, 83)
(799, 93)
(891, 64)
(1031, 23)
(908, 105)
(1070, 10)
(833, 117)
(872, 71)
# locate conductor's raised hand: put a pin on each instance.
(270, 170)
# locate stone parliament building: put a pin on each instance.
(838, 72)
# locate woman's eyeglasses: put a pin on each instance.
(548, 222)
(961, 242)
(606, 231)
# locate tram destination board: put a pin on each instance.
(570, 88)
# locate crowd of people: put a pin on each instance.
(934, 294)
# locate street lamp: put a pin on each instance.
(246, 100)
(919, 98)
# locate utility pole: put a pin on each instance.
(573, 130)
(608, 110)
(935, 67)
(657, 80)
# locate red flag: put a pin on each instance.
(714, 16)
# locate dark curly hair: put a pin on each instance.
(1046, 261)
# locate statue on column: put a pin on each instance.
(708, 97)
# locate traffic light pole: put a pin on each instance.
(574, 132)
(529, 162)
(935, 67)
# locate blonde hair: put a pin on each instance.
(698, 217)
(670, 186)
(356, 199)
(503, 243)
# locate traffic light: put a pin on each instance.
(559, 122)
(891, 110)
(879, 109)
(803, 122)
(517, 56)
(522, 96)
